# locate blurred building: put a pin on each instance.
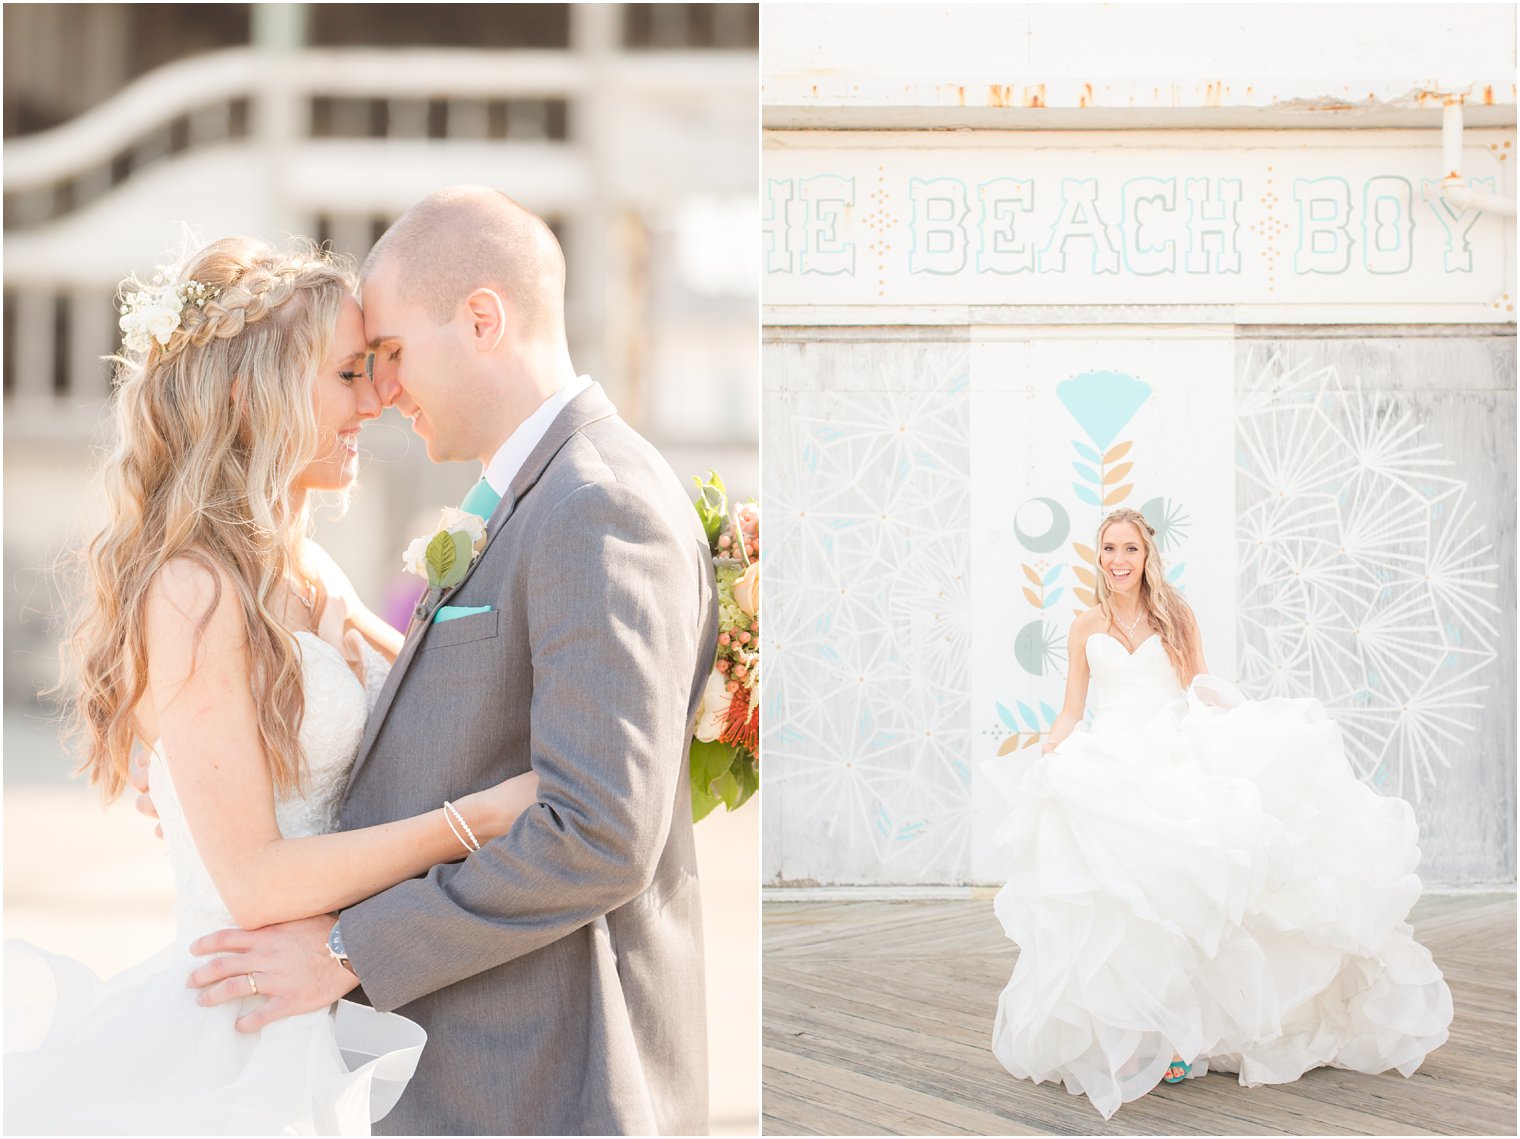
(630, 127)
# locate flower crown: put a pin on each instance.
(153, 312)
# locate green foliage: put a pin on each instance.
(712, 506)
(721, 774)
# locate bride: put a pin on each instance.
(1198, 881)
(219, 637)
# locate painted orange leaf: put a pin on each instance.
(1117, 452)
(1085, 576)
(1117, 473)
(1034, 598)
(1086, 597)
(1011, 744)
(1084, 552)
(1118, 494)
(1031, 575)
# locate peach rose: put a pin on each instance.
(747, 590)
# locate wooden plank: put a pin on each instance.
(878, 1020)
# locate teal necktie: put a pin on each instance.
(481, 500)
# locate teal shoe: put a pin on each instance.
(1184, 1065)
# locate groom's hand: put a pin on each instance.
(289, 963)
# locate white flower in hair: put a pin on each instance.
(154, 311)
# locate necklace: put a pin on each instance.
(306, 593)
(1129, 630)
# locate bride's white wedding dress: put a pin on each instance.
(136, 1054)
(1201, 875)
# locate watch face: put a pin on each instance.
(335, 942)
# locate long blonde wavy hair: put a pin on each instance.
(213, 430)
(1167, 608)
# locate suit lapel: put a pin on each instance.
(586, 408)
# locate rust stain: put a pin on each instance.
(1213, 94)
(1086, 98)
(1035, 96)
(1488, 96)
(960, 95)
(999, 95)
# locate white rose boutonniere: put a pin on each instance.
(445, 555)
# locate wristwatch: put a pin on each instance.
(336, 951)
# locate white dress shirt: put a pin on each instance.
(507, 461)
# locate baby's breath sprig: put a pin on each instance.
(154, 311)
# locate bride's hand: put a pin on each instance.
(503, 803)
(137, 775)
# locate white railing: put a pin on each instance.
(190, 87)
(258, 140)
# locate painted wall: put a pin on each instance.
(1328, 458)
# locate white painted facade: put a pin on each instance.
(650, 184)
(1026, 263)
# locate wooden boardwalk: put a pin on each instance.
(878, 1017)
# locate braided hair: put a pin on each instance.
(213, 429)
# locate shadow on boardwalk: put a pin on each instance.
(878, 1018)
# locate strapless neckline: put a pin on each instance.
(1127, 688)
(1136, 649)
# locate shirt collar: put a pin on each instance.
(508, 460)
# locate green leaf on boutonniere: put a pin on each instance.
(440, 557)
(448, 557)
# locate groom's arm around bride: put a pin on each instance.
(606, 622)
(558, 970)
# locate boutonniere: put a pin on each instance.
(444, 556)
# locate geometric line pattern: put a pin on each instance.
(1366, 576)
(867, 635)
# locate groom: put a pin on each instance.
(558, 971)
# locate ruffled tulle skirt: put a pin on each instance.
(1215, 884)
(136, 1055)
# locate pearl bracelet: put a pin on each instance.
(450, 813)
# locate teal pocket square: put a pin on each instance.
(450, 612)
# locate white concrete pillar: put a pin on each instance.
(595, 37)
(350, 233)
(92, 334)
(281, 106)
(34, 349)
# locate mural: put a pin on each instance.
(1339, 513)
(1375, 484)
(866, 689)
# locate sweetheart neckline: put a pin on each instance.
(1129, 652)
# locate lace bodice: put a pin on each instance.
(337, 705)
(1127, 690)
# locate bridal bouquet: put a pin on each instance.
(725, 753)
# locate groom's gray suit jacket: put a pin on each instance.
(543, 1018)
